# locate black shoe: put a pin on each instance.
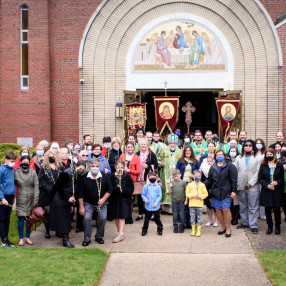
(144, 232)
(227, 235)
(277, 230)
(47, 235)
(234, 222)
(221, 232)
(139, 218)
(66, 242)
(188, 226)
(176, 228)
(269, 231)
(78, 230)
(160, 231)
(85, 243)
(181, 229)
(254, 230)
(9, 242)
(99, 240)
(242, 226)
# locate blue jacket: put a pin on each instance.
(102, 164)
(153, 194)
(7, 181)
(182, 167)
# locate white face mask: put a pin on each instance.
(94, 170)
(11, 165)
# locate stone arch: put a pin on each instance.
(246, 26)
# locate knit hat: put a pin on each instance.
(106, 139)
(173, 138)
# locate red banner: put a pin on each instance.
(227, 110)
(136, 116)
(167, 114)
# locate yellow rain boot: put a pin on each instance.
(199, 228)
(193, 233)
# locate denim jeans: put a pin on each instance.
(21, 220)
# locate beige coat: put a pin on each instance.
(249, 174)
(27, 191)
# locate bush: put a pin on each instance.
(6, 147)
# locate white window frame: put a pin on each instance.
(25, 88)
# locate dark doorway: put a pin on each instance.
(204, 118)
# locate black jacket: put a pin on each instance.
(273, 145)
(269, 198)
(127, 187)
(151, 160)
(113, 158)
(222, 183)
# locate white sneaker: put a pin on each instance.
(215, 224)
(209, 223)
(118, 238)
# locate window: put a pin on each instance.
(24, 48)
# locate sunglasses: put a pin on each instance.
(248, 145)
(84, 155)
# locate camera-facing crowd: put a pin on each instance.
(241, 179)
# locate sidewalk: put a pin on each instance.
(172, 259)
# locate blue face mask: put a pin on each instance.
(40, 153)
(25, 154)
(116, 148)
(178, 133)
(232, 154)
(259, 146)
(197, 179)
(219, 158)
(89, 152)
(107, 146)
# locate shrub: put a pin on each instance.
(6, 147)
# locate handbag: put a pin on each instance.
(138, 186)
(36, 216)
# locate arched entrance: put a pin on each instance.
(251, 47)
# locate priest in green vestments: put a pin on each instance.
(199, 145)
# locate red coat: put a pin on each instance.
(134, 166)
(17, 164)
(104, 151)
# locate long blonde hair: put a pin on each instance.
(46, 162)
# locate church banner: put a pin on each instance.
(136, 116)
(227, 110)
(166, 111)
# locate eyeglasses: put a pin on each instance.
(84, 155)
(96, 149)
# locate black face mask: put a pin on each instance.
(152, 180)
(269, 158)
(25, 166)
(96, 156)
(283, 153)
(52, 159)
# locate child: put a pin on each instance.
(196, 192)
(152, 195)
(177, 189)
(7, 191)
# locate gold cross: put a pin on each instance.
(165, 83)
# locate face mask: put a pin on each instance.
(232, 154)
(152, 180)
(70, 148)
(94, 170)
(269, 158)
(11, 165)
(52, 160)
(96, 156)
(89, 152)
(178, 133)
(107, 146)
(283, 153)
(119, 171)
(70, 157)
(80, 171)
(259, 146)
(130, 153)
(116, 148)
(219, 158)
(77, 150)
(156, 141)
(197, 179)
(25, 154)
(25, 166)
(75, 160)
(247, 149)
(187, 140)
(40, 153)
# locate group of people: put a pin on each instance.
(182, 176)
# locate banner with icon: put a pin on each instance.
(166, 111)
(227, 111)
(136, 116)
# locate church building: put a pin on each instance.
(69, 67)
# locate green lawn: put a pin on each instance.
(274, 264)
(61, 266)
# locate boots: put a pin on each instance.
(277, 229)
(181, 228)
(175, 228)
(47, 234)
(235, 215)
(199, 228)
(193, 233)
(66, 242)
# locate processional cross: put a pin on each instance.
(165, 83)
(189, 109)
